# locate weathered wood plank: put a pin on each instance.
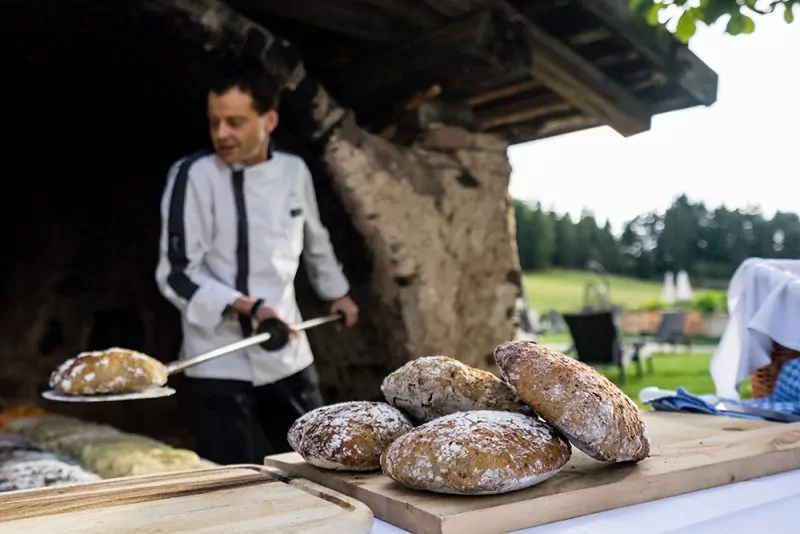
(475, 50)
(548, 126)
(577, 80)
(679, 63)
(499, 93)
(521, 110)
(581, 83)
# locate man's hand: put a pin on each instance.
(346, 306)
(266, 312)
(244, 305)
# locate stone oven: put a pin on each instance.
(403, 111)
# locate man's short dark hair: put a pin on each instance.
(249, 75)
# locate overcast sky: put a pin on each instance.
(744, 150)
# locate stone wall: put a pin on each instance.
(433, 261)
(424, 232)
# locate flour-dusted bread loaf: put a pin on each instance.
(111, 371)
(348, 436)
(578, 400)
(435, 386)
(481, 452)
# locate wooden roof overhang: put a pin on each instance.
(526, 69)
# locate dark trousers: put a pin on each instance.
(223, 413)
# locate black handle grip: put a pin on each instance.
(278, 331)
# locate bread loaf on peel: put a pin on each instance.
(348, 436)
(592, 412)
(481, 452)
(435, 386)
(111, 371)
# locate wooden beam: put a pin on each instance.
(577, 80)
(581, 83)
(588, 37)
(538, 129)
(677, 62)
(473, 52)
(521, 110)
(503, 92)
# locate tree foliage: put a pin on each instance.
(683, 16)
(708, 243)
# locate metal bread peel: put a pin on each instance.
(272, 335)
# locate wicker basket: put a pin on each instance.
(762, 381)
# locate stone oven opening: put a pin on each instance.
(403, 116)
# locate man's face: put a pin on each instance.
(239, 133)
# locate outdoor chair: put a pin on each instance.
(671, 329)
(596, 342)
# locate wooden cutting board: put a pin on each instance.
(690, 452)
(233, 500)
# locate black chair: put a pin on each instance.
(671, 329)
(596, 341)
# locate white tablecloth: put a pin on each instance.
(763, 505)
(763, 305)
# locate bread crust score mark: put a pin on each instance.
(589, 409)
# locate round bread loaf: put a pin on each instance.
(592, 412)
(482, 452)
(434, 386)
(111, 371)
(348, 436)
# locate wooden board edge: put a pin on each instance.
(234, 473)
(54, 500)
(427, 523)
(337, 498)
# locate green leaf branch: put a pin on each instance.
(683, 16)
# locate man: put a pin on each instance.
(234, 225)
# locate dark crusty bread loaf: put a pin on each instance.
(434, 386)
(592, 412)
(482, 452)
(348, 436)
(110, 371)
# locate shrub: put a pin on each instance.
(711, 302)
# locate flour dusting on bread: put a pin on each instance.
(583, 404)
(113, 370)
(481, 452)
(347, 436)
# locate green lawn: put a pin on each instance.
(688, 370)
(562, 290)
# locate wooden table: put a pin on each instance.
(690, 452)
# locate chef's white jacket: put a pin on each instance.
(233, 230)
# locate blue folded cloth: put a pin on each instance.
(784, 399)
(683, 401)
